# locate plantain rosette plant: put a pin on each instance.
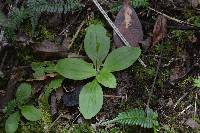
(96, 45)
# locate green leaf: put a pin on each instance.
(31, 113)
(41, 68)
(107, 79)
(121, 58)
(75, 69)
(90, 99)
(23, 93)
(12, 123)
(96, 44)
(54, 84)
(10, 107)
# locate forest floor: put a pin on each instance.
(166, 84)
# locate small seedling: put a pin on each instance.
(18, 107)
(197, 82)
(97, 46)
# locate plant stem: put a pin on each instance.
(156, 75)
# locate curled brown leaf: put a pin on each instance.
(160, 29)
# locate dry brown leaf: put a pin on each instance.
(49, 75)
(194, 3)
(191, 123)
(160, 29)
(129, 25)
(177, 72)
(49, 47)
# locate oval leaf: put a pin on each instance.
(160, 30)
(90, 99)
(31, 113)
(107, 79)
(96, 43)
(23, 92)
(121, 58)
(12, 123)
(75, 69)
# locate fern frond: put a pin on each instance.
(37, 7)
(44, 6)
(136, 117)
(16, 18)
(139, 3)
(134, 4)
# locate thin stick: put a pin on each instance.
(115, 28)
(181, 98)
(76, 34)
(185, 109)
(171, 18)
(195, 105)
(55, 121)
(154, 81)
(113, 96)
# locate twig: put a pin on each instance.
(112, 96)
(76, 118)
(66, 28)
(195, 105)
(185, 109)
(171, 18)
(176, 27)
(184, 95)
(3, 60)
(76, 34)
(154, 81)
(115, 28)
(181, 98)
(55, 121)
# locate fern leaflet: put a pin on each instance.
(134, 4)
(138, 117)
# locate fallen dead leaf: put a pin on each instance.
(49, 75)
(191, 123)
(194, 3)
(129, 25)
(160, 29)
(177, 72)
(59, 93)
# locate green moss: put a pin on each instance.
(31, 127)
(46, 116)
(80, 128)
(188, 80)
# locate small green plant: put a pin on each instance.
(96, 45)
(19, 107)
(139, 117)
(197, 82)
